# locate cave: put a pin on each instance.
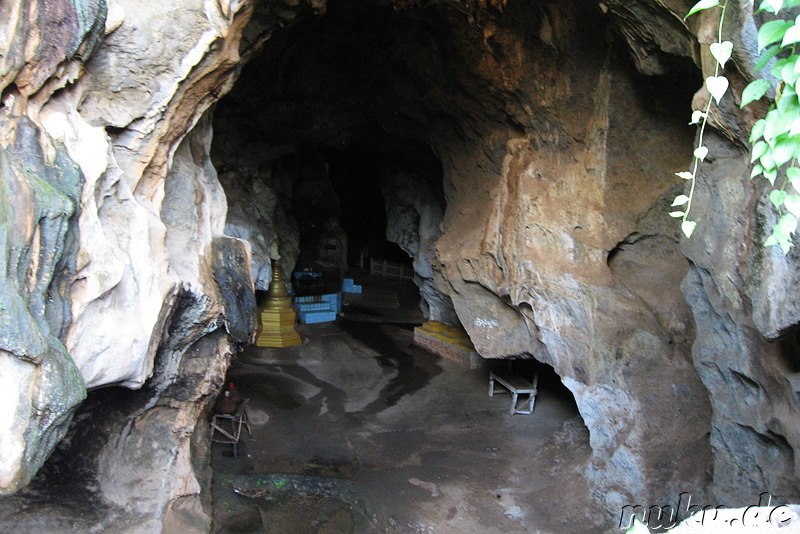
(516, 157)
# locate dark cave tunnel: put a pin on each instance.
(346, 118)
(351, 118)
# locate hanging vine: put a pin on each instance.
(775, 152)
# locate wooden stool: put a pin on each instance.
(227, 428)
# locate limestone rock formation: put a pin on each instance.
(116, 267)
(137, 219)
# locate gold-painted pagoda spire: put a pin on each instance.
(276, 320)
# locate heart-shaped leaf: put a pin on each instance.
(717, 86)
(776, 196)
(722, 51)
(680, 200)
(792, 203)
(785, 226)
(688, 227)
(701, 152)
(697, 116)
(771, 175)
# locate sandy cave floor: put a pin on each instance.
(406, 441)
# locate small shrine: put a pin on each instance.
(276, 320)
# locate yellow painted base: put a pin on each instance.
(446, 333)
(276, 329)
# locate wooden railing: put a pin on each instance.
(391, 269)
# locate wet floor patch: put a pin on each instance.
(414, 367)
(299, 504)
(358, 404)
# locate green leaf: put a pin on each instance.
(778, 66)
(773, 6)
(776, 196)
(788, 74)
(793, 174)
(638, 527)
(768, 162)
(771, 240)
(790, 117)
(754, 91)
(717, 86)
(768, 54)
(722, 52)
(771, 32)
(680, 200)
(756, 170)
(785, 149)
(701, 5)
(770, 122)
(759, 149)
(786, 246)
(791, 36)
(771, 175)
(786, 105)
(792, 203)
(686, 175)
(688, 228)
(786, 225)
(758, 128)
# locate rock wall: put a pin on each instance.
(39, 198)
(414, 214)
(117, 269)
(557, 154)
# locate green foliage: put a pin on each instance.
(775, 152)
(638, 527)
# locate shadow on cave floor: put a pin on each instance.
(357, 430)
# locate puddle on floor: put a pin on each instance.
(300, 504)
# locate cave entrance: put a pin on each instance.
(333, 150)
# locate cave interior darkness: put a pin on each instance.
(337, 105)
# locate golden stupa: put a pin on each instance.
(276, 320)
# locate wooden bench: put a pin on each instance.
(517, 386)
(227, 428)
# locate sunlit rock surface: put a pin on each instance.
(115, 262)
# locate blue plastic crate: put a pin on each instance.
(317, 317)
(349, 287)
